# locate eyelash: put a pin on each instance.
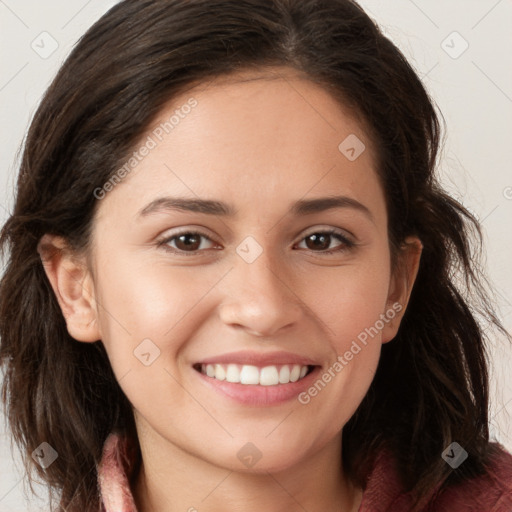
(346, 244)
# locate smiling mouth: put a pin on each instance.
(250, 375)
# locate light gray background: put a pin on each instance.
(472, 88)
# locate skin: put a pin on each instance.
(259, 145)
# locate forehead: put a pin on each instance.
(271, 110)
(256, 138)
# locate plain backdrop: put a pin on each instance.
(461, 50)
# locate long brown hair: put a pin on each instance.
(431, 386)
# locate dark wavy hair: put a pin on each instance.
(431, 385)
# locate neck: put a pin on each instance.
(174, 480)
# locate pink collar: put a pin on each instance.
(113, 470)
(491, 492)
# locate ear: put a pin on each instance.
(400, 286)
(73, 287)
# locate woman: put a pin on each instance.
(230, 279)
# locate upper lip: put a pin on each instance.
(248, 357)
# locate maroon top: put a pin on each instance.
(383, 492)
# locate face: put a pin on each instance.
(247, 236)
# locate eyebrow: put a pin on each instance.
(211, 207)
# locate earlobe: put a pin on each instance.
(73, 287)
(401, 285)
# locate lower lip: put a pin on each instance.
(260, 395)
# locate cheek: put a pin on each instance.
(351, 299)
(350, 303)
(150, 302)
(147, 315)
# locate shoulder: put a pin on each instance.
(490, 492)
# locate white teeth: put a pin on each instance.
(295, 373)
(284, 375)
(249, 375)
(220, 373)
(252, 375)
(269, 376)
(233, 373)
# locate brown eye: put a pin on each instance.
(321, 241)
(186, 242)
(318, 241)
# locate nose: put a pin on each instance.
(260, 299)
